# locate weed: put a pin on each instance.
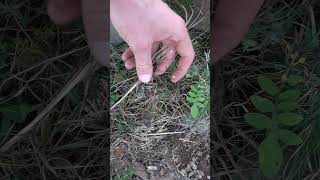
(196, 97)
(128, 174)
(275, 117)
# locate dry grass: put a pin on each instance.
(152, 123)
(282, 34)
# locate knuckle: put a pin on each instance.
(143, 65)
(179, 72)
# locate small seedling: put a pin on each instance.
(196, 97)
(125, 176)
(276, 114)
(123, 126)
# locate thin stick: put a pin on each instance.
(43, 62)
(162, 50)
(126, 94)
(64, 91)
(166, 133)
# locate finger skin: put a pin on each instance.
(231, 22)
(166, 61)
(95, 14)
(143, 62)
(128, 56)
(187, 54)
(62, 11)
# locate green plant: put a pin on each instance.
(125, 176)
(196, 97)
(276, 115)
(123, 126)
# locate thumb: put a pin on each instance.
(143, 63)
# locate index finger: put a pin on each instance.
(186, 52)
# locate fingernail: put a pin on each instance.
(145, 78)
(173, 79)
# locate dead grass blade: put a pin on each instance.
(64, 91)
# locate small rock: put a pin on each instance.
(162, 172)
(194, 159)
(200, 174)
(152, 168)
(193, 165)
(208, 177)
(199, 153)
(188, 168)
(191, 174)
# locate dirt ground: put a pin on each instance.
(179, 156)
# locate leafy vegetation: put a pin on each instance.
(280, 106)
(196, 97)
(282, 47)
(128, 174)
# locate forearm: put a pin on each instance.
(231, 22)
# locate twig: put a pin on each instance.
(41, 63)
(126, 94)
(165, 133)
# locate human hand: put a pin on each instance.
(144, 24)
(231, 22)
(95, 19)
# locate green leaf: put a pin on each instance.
(193, 88)
(270, 156)
(130, 172)
(293, 80)
(201, 86)
(268, 85)
(259, 121)
(120, 127)
(287, 137)
(15, 113)
(287, 106)
(199, 104)
(192, 94)
(194, 111)
(290, 119)
(200, 99)
(190, 99)
(289, 95)
(200, 92)
(262, 104)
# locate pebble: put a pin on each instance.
(162, 172)
(188, 168)
(152, 168)
(199, 153)
(193, 165)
